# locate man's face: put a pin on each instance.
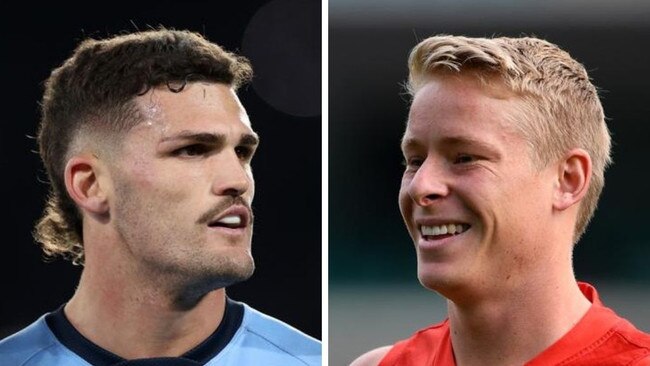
(183, 186)
(472, 200)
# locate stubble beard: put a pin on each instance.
(172, 258)
(194, 286)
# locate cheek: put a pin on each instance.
(160, 184)
(514, 208)
(138, 170)
(479, 194)
(405, 202)
(143, 178)
(251, 179)
(404, 187)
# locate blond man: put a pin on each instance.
(505, 147)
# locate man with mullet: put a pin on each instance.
(506, 147)
(148, 151)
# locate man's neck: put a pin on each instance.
(512, 328)
(136, 321)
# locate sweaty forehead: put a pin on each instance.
(196, 106)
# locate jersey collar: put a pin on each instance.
(66, 333)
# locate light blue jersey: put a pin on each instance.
(244, 337)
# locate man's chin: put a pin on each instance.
(196, 289)
(438, 282)
(230, 273)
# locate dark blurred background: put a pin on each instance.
(374, 295)
(283, 40)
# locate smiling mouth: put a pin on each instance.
(437, 232)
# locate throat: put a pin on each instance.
(118, 327)
(513, 331)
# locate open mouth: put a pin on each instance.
(437, 232)
(230, 222)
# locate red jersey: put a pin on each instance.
(600, 338)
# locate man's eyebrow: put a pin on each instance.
(210, 138)
(204, 137)
(409, 143)
(249, 139)
(468, 141)
(449, 141)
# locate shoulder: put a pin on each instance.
(633, 342)
(31, 346)
(276, 342)
(416, 349)
(603, 337)
(643, 362)
(371, 358)
(623, 335)
(632, 334)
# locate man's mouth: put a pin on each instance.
(231, 221)
(235, 217)
(436, 232)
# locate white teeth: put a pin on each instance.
(230, 220)
(443, 229)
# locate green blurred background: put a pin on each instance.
(374, 295)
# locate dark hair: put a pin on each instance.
(95, 88)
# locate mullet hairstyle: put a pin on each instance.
(560, 106)
(94, 90)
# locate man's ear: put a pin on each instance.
(82, 183)
(574, 177)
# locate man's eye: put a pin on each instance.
(412, 162)
(464, 159)
(191, 150)
(243, 152)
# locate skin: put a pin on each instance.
(508, 279)
(153, 263)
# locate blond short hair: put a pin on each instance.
(560, 103)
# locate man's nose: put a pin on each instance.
(233, 177)
(429, 183)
